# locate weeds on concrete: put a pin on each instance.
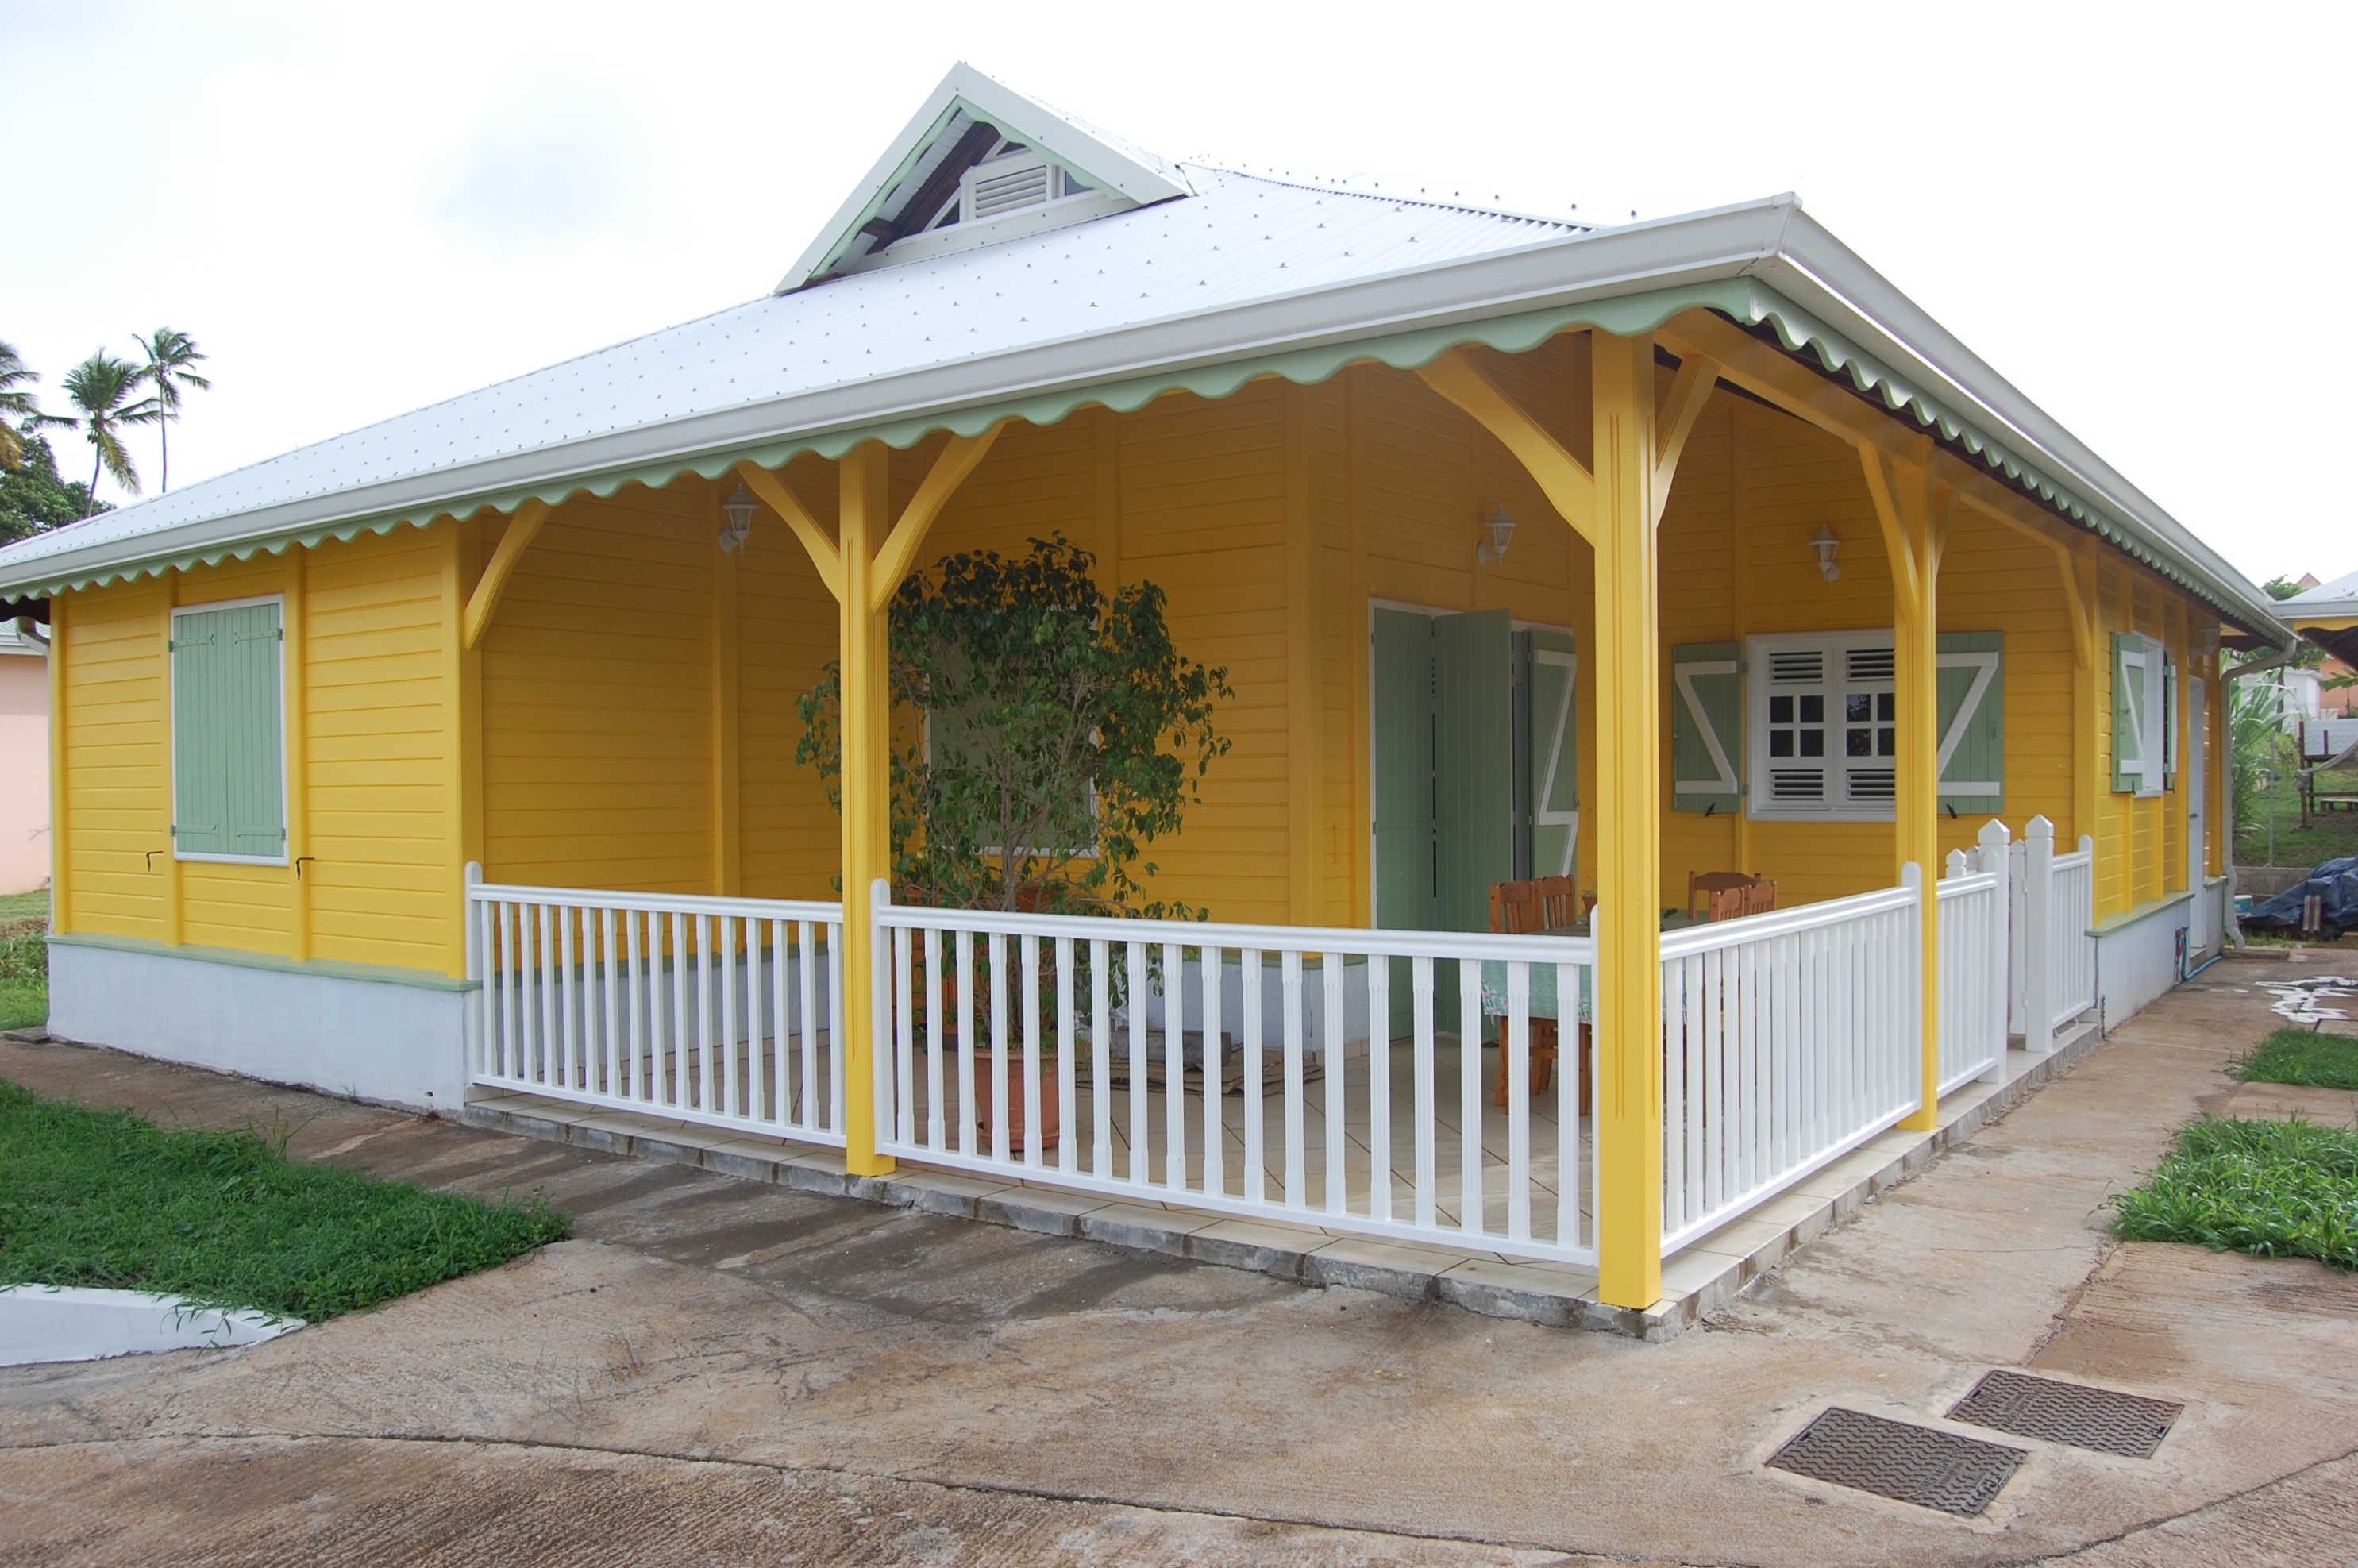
(2274, 1189)
(2300, 1057)
(108, 1198)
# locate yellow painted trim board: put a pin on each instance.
(170, 859)
(727, 786)
(452, 768)
(62, 911)
(294, 625)
(1304, 741)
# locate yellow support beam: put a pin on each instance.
(1914, 511)
(1561, 477)
(1691, 389)
(523, 529)
(862, 566)
(1627, 1036)
(295, 630)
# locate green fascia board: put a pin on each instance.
(1744, 300)
(2111, 923)
(382, 974)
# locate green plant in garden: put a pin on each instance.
(110, 1199)
(2300, 1057)
(1046, 735)
(2274, 1189)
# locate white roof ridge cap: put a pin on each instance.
(1506, 214)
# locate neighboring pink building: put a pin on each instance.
(24, 762)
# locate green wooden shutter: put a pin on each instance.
(1971, 668)
(2128, 712)
(200, 739)
(1554, 761)
(229, 752)
(2169, 720)
(1474, 781)
(256, 788)
(1707, 727)
(1402, 722)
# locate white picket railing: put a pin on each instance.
(1975, 925)
(722, 1011)
(2052, 958)
(1789, 1040)
(1246, 1070)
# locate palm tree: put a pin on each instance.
(17, 380)
(99, 388)
(170, 356)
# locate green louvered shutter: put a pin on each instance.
(256, 783)
(229, 756)
(2169, 720)
(1971, 668)
(1473, 779)
(200, 740)
(1708, 728)
(2128, 712)
(1554, 757)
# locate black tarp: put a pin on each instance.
(2334, 884)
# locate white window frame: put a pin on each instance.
(172, 736)
(1758, 692)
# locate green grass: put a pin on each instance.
(2274, 1189)
(24, 961)
(108, 1198)
(2328, 836)
(2299, 1057)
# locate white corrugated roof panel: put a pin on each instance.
(1241, 238)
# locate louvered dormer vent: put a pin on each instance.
(1010, 184)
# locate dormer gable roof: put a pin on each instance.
(968, 118)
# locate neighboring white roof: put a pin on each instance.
(1230, 274)
(2337, 598)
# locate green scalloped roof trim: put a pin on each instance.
(1743, 299)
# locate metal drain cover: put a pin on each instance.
(2083, 1417)
(1892, 1459)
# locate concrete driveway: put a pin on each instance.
(727, 1373)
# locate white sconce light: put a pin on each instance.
(1825, 543)
(1500, 527)
(739, 509)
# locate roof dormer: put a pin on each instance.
(981, 163)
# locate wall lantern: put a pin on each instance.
(1825, 543)
(739, 510)
(1500, 527)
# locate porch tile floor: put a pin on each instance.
(1700, 1280)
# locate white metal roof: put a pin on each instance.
(2335, 599)
(1242, 275)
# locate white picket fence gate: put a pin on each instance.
(1789, 1040)
(2051, 960)
(1269, 1072)
(1975, 927)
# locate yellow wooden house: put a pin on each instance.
(455, 756)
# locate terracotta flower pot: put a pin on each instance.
(1051, 1108)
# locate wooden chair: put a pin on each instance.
(1704, 887)
(1523, 909)
(1760, 898)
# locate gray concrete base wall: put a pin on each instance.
(380, 1040)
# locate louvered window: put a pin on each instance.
(1825, 725)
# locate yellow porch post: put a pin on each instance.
(863, 477)
(1915, 528)
(862, 566)
(1629, 1028)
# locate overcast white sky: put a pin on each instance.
(357, 210)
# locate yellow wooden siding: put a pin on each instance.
(374, 850)
(116, 739)
(379, 742)
(595, 678)
(789, 837)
